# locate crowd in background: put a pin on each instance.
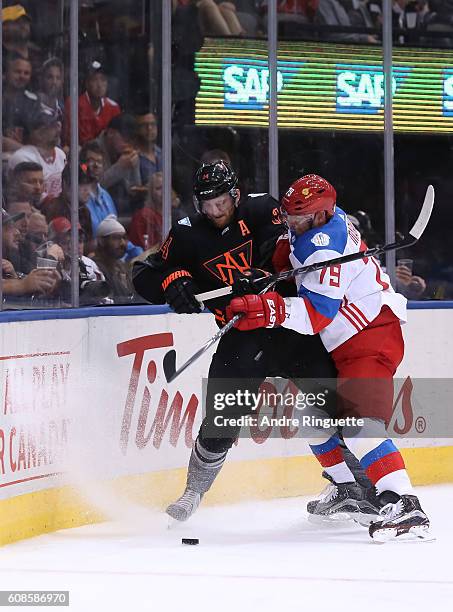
(120, 170)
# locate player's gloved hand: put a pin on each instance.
(265, 310)
(245, 282)
(179, 291)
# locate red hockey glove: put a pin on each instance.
(264, 310)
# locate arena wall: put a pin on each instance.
(86, 415)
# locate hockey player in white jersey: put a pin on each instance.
(358, 316)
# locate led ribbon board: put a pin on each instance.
(323, 86)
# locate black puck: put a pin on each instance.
(191, 541)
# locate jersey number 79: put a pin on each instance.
(334, 275)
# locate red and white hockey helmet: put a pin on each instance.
(309, 194)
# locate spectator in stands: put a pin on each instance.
(18, 102)
(11, 238)
(18, 208)
(111, 248)
(150, 154)
(96, 110)
(412, 287)
(122, 164)
(216, 19)
(50, 93)
(26, 183)
(40, 282)
(37, 244)
(146, 225)
(44, 131)
(92, 286)
(187, 39)
(100, 204)
(17, 36)
(61, 206)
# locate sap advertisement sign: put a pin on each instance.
(246, 84)
(360, 89)
(448, 93)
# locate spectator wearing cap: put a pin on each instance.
(150, 154)
(122, 164)
(50, 92)
(16, 26)
(16, 208)
(96, 110)
(18, 102)
(111, 248)
(61, 206)
(27, 183)
(40, 282)
(100, 203)
(44, 131)
(11, 237)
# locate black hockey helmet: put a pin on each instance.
(211, 180)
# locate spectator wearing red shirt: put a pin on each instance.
(146, 224)
(95, 109)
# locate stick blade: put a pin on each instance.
(169, 365)
(425, 214)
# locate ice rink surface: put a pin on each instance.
(263, 556)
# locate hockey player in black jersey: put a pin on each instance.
(230, 237)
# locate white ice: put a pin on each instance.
(263, 556)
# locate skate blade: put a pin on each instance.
(418, 533)
(329, 519)
(365, 520)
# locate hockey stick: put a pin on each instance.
(169, 361)
(414, 235)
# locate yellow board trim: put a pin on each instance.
(45, 511)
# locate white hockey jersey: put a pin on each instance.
(339, 301)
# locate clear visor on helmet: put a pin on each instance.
(298, 222)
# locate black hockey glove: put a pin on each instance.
(245, 282)
(179, 291)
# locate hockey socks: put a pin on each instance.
(382, 463)
(204, 466)
(330, 456)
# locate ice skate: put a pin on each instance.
(402, 518)
(203, 469)
(337, 502)
(369, 507)
(185, 506)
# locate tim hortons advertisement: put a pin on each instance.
(88, 396)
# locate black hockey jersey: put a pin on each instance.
(213, 255)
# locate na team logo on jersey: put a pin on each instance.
(238, 259)
(360, 88)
